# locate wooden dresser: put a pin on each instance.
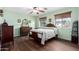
(24, 31)
(6, 34)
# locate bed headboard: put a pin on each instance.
(50, 25)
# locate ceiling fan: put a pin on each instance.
(38, 10)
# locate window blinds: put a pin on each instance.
(43, 19)
(63, 15)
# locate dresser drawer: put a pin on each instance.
(24, 31)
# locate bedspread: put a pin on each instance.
(45, 34)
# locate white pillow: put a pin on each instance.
(48, 27)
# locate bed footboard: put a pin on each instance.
(35, 36)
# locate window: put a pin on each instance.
(63, 20)
(43, 21)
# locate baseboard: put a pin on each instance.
(64, 39)
(17, 36)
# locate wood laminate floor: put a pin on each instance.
(25, 44)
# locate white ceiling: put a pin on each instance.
(27, 10)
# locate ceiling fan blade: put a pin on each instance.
(45, 8)
(31, 12)
(37, 12)
(41, 10)
(35, 8)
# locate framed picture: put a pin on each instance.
(1, 12)
(19, 20)
(50, 20)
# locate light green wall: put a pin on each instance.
(36, 22)
(11, 18)
(62, 32)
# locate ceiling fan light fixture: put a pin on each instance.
(38, 10)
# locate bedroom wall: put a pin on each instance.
(63, 32)
(11, 18)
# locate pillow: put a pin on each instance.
(48, 27)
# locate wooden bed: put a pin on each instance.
(35, 34)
